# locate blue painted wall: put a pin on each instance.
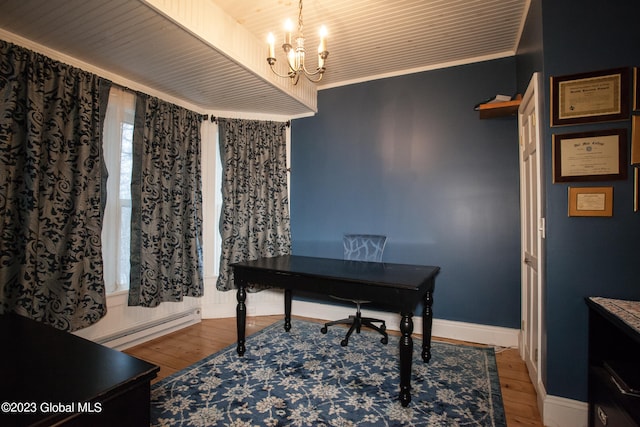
(408, 157)
(586, 256)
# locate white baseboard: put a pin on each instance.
(265, 303)
(563, 412)
(482, 334)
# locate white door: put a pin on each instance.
(532, 225)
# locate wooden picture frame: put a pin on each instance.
(635, 140)
(590, 156)
(591, 201)
(590, 97)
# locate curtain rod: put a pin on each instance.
(125, 88)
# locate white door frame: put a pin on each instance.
(532, 196)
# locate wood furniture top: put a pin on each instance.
(625, 314)
(373, 281)
(50, 376)
(398, 286)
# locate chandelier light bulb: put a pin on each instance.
(323, 41)
(288, 28)
(272, 49)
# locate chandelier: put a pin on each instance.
(295, 57)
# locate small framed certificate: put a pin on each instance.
(590, 201)
(590, 156)
(590, 97)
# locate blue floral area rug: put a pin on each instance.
(305, 378)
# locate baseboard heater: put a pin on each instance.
(147, 331)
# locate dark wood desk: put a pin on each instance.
(614, 372)
(398, 287)
(50, 377)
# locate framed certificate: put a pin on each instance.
(590, 156)
(590, 201)
(590, 97)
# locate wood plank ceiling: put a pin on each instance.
(152, 43)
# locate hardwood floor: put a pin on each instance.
(180, 349)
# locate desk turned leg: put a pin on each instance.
(241, 317)
(427, 323)
(406, 353)
(287, 310)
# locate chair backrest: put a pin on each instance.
(364, 247)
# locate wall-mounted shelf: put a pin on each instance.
(500, 109)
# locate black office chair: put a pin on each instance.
(361, 247)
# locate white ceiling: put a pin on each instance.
(212, 53)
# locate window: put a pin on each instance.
(118, 155)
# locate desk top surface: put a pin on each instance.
(43, 364)
(405, 276)
(624, 312)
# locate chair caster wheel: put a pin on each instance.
(323, 330)
(384, 340)
(344, 343)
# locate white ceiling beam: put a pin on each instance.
(209, 23)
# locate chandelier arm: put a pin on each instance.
(309, 73)
(314, 80)
(292, 68)
(290, 74)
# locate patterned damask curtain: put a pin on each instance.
(51, 176)
(166, 207)
(254, 221)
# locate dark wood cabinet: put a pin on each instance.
(50, 377)
(614, 362)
